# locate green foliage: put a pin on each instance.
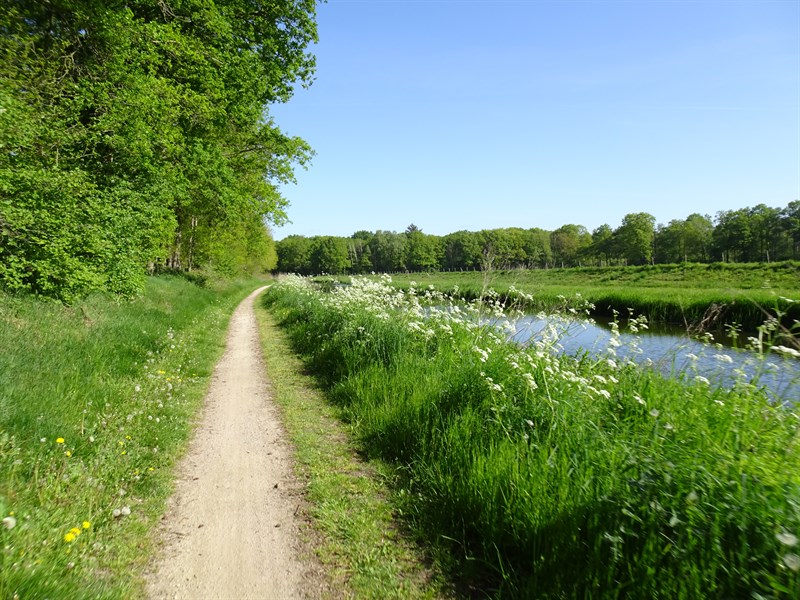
(329, 255)
(637, 241)
(634, 238)
(134, 135)
(546, 476)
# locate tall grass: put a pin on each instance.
(547, 476)
(96, 403)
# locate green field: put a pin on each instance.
(96, 403)
(683, 295)
(532, 474)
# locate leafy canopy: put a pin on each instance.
(136, 134)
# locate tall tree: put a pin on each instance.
(567, 243)
(536, 246)
(790, 226)
(462, 250)
(329, 255)
(698, 231)
(294, 255)
(388, 250)
(732, 238)
(601, 248)
(422, 250)
(135, 133)
(634, 238)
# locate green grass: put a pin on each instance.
(96, 404)
(355, 534)
(678, 294)
(544, 476)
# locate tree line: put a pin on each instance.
(752, 234)
(134, 135)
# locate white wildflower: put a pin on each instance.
(786, 351)
(483, 355)
(792, 561)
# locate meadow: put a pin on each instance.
(701, 297)
(533, 474)
(97, 401)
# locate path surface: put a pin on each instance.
(231, 531)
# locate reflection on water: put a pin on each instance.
(674, 355)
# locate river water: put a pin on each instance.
(673, 354)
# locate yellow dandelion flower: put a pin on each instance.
(69, 537)
(68, 453)
(86, 524)
(59, 440)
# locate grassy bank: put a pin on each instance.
(354, 532)
(96, 404)
(545, 476)
(678, 294)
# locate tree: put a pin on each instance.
(790, 226)
(422, 251)
(359, 252)
(765, 227)
(601, 248)
(294, 255)
(388, 250)
(634, 238)
(669, 242)
(698, 231)
(135, 134)
(462, 250)
(536, 246)
(567, 242)
(329, 255)
(732, 238)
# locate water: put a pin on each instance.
(673, 354)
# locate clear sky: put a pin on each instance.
(459, 114)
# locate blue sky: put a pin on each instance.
(460, 114)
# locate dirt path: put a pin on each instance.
(231, 531)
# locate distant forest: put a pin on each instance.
(757, 234)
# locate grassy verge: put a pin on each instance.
(358, 540)
(96, 404)
(550, 477)
(678, 294)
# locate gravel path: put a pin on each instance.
(231, 531)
